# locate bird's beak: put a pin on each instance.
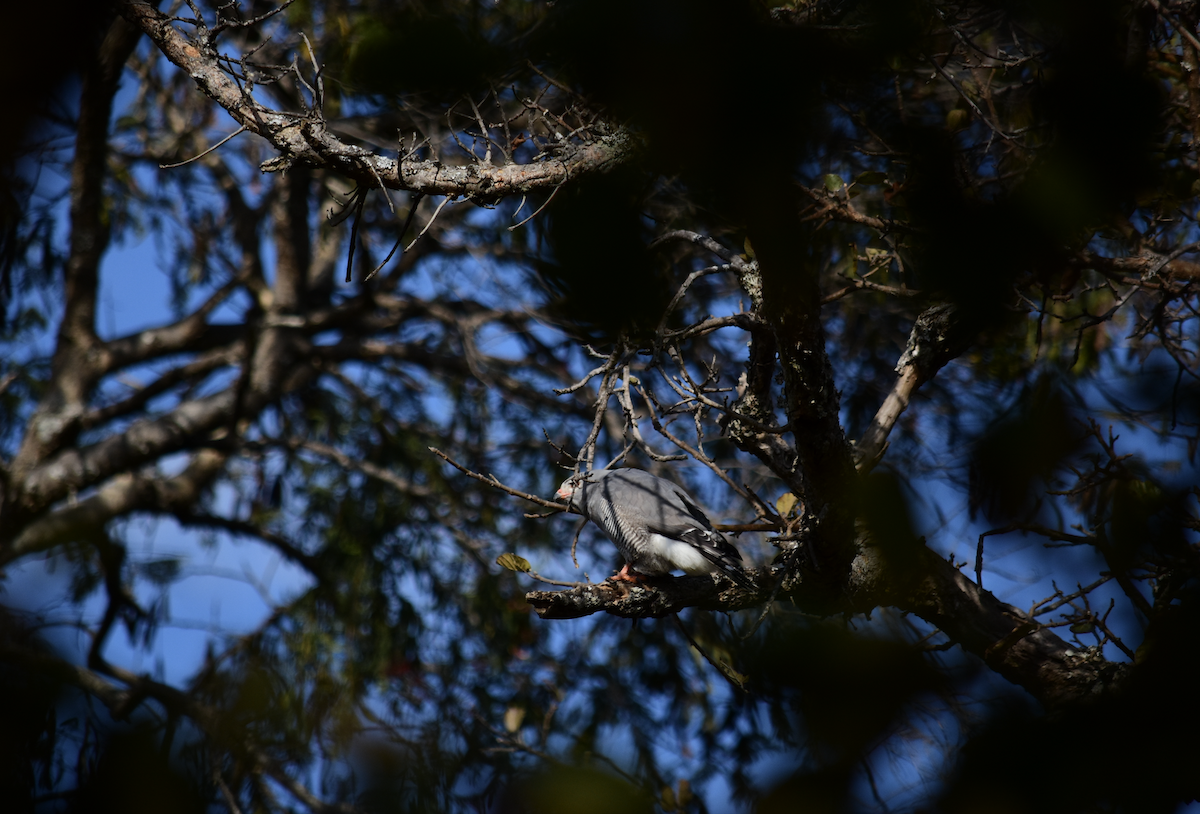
(563, 493)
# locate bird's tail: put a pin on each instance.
(730, 567)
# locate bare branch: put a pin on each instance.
(299, 139)
(937, 336)
(228, 138)
(493, 481)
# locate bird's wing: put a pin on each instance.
(699, 532)
(717, 550)
(637, 510)
(660, 507)
(692, 509)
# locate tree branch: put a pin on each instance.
(919, 582)
(123, 494)
(306, 140)
(661, 597)
(73, 372)
(937, 336)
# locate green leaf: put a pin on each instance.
(834, 182)
(957, 119)
(1082, 627)
(871, 178)
(514, 563)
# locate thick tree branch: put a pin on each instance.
(74, 373)
(917, 581)
(130, 492)
(89, 226)
(871, 446)
(191, 334)
(1173, 273)
(754, 393)
(190, 424)
(191, 372)
(937, 336)
(146, 440)
(304, 140)
(791, 306)
(661, 597)
(1011, 643)
(190, 518)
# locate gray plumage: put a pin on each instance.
(656, 526)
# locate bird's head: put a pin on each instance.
(572, 489)
(568, 488)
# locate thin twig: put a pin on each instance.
(412, 212)
(735, 680)
(253, 21)
(558, 582)
(318, 93)
(237, 132)
(979, 551)
(575, 541)
(362, 200)
(483, 130)
(691, 278)
(971, 102)
(347, 210)
(699, 455)
(492, 481)
(538, 210)
(230, 800)
(562, 391)
(1112, 637)
(436, 212)
(726, 254)
(551, 80)
(631, 422)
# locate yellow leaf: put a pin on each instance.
(685, 792)
(513, 718)
(513, 563)
(785, 504)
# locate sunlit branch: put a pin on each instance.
(938, 335)
(301, 139)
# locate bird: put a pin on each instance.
(655, 525)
